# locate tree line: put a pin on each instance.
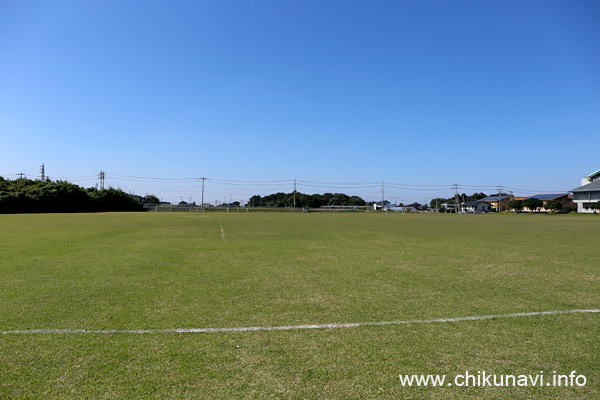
(37, 196)
(305, 200)
(462, 198)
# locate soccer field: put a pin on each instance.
(90, 304)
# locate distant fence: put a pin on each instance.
(190, 209)
(193, 209)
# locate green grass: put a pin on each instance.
(166, 270)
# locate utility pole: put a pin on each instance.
(294, 194)
(382, 196)
(456, 198)
(202, 205)
(43, 173)
(101, 178)
(499, 191)
(21, 174)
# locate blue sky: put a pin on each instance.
(477, 93)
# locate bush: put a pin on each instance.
(25, 195)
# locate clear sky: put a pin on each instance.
(479, 93)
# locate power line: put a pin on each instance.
(239, 181)
(258, 186)
(152, 178)
(341, 187)
(340, 183)
(536, 191)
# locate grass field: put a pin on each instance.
(121, 271)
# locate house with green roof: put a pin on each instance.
(587, 195)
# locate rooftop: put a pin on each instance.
(494, 198)
(589, 186)
(594, 174)
(550, 196)
(473, 203)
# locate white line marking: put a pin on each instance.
(298, 327)
(222, 230)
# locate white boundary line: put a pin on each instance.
(222, 230)
(299, 327)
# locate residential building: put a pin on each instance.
(476, 206)
(545, 198)
(494, 200)
(450, 207)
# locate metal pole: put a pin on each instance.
(382, 196)
(456, 210)
(202, 205)
(499, 191)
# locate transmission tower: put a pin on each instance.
(101, 178)
(43, 178)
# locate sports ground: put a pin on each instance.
(295, 305)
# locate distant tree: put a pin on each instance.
(533, 204)
(516, 205)
(305, 200)
(256, 201)
(553, 205)
(437, 202)
(477, 196)
(25, 195)
(152, 199)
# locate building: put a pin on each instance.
(545, 198)
(588, 194)
(450, 207)
(591, 178)
(476, 206)
(494, 200)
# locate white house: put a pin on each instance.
(476, 206)
(588, 194)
